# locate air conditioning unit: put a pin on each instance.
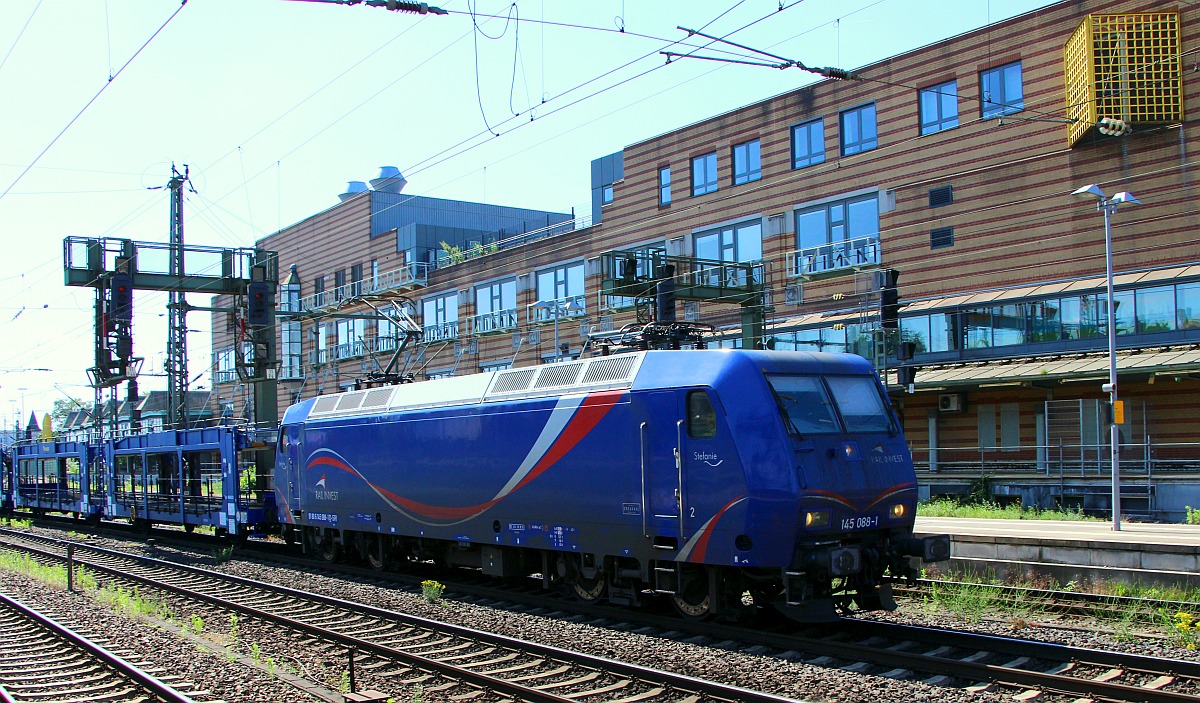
(950, 402)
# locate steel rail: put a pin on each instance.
(154, 685)
(1077, 596)
(633, 671)
(970, 671)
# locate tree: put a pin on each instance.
(62, 408)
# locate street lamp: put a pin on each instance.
(558, 308)
(1109, 206)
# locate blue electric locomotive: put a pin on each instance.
(703, 475)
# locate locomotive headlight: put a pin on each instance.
(816, 518)
(898, 511)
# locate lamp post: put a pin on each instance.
(1109, 206)
(558, 308)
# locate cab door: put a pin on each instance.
(293, 436)
(662, 469)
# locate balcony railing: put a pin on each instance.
(351, 350)
(850, 254)
(406, 278)
(490, 322)
(440, 332)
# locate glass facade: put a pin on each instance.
(1150, 310)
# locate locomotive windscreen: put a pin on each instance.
(810, 406)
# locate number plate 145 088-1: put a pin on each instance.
(860, 523)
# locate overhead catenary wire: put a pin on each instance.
(20, 34)
(93, 100)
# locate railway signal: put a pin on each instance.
(120, 297)
(258, 304)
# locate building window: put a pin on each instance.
(339, 278)
(318, 285)
(1001, 90)
(808, 143)
(439, 317)
(562, 285)
(664, 186)
(704, 174)
(939, 107)
(742, 242)
(738, 243)
(941, 238)
(495, 306)
(560, 282)
(858, 130)
(746, 162)
(837, 235)
(496, 366)
(606, 194)
(291, 340)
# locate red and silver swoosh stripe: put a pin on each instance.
(570, 421)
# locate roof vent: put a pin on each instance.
(389, 181)
(353, 188)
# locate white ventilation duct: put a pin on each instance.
(389, 181)
(353, 188)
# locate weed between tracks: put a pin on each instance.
(973, 599)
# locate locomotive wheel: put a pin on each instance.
(189, 528)
(693, 601)
(589, 590)
(692, 607)
(329, 549)
(375, 556)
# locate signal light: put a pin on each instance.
(889, 300)
(120, 297)
(258, 304)
(1113, 127)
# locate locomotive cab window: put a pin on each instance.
(702, 418)
(804, 404)
(861, 404)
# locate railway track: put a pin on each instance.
(937, 656)
(1069, 602)
(43, 660)
(454, 661)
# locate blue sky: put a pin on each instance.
(275, 105)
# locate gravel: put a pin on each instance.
(248, 663)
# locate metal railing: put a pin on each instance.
(440, 332)
(351, 350)
(498, 321)
(852, 253)
(407, 277)
(1142, 459)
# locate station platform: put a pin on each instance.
(1080, 551)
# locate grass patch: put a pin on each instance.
(947, 507)
(972, 598)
